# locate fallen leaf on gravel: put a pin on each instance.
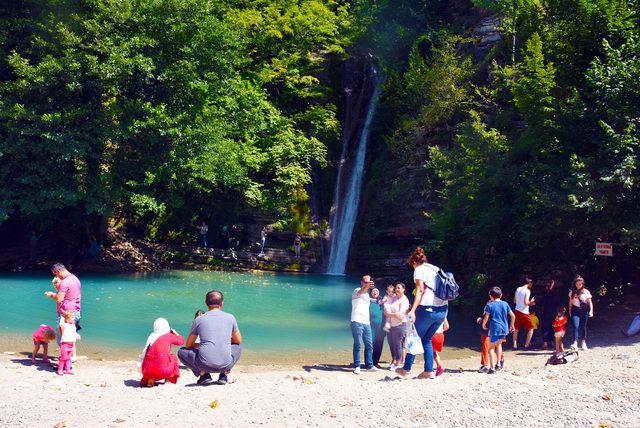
(551, 377)
(61, 424)
(103, 385)
(119, 420)
(87, 384)
(605, 397)
(604, 425)
(631, 366)
(309, 381)
(214, 404)
(333, 415)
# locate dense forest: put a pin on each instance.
(152, 115)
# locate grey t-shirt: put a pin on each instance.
(214, 329)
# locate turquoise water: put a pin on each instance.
(279, 313)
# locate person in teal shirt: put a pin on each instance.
(377, 323)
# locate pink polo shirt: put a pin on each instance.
(73, 294)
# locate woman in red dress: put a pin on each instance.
(158, 362)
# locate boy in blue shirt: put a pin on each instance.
(496, 315)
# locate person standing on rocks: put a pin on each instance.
(523, 301)
(220, 342)
(263, 239)
(202, 230)
(360, 324)
(297, 245)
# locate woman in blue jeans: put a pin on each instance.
(428, 311)
(580, 310)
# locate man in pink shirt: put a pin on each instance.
(69, 293)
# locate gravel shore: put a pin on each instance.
(602, 389)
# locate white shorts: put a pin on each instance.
(559, 334)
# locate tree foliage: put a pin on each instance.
(163, 110)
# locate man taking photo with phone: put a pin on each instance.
(360, 325)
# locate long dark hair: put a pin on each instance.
(574, 289)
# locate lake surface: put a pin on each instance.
(277, 313)
(274, 312)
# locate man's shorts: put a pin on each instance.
(523, 320)
(437, 341)
(495, 339)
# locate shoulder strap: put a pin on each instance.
(437, 271)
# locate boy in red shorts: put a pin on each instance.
(523, 301)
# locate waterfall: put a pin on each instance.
(347, 200)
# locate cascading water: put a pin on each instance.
(346, 201)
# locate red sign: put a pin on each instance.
(604, 249)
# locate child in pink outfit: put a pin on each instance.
(42, 336)
(67, 341)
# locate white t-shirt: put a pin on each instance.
(204, 229)
(68, 332)
(522, 294)
(360, 307)
(397, 306)
(580, 298)
(427, 273)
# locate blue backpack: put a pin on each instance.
(446, 288)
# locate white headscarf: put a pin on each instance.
(160, 328)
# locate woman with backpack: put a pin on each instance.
(428, 311)
(580, 310)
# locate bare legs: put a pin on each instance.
(495, 354)
(527, 342)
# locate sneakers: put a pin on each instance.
(60, 373)
(584, 345)
(393, 367)
(491, 371)
(499, 366)
(483, 369)
(68, 372)
(574, 345)
(222, 379)
(372, 369)
(205, 379)
(356, 370)
(439, 371)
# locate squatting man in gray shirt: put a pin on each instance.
(220, 341)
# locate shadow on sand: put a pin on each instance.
(39, 365)
(329, 368)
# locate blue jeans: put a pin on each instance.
(362, 332)
(203, 240)
(428, 319)
(579, 318)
